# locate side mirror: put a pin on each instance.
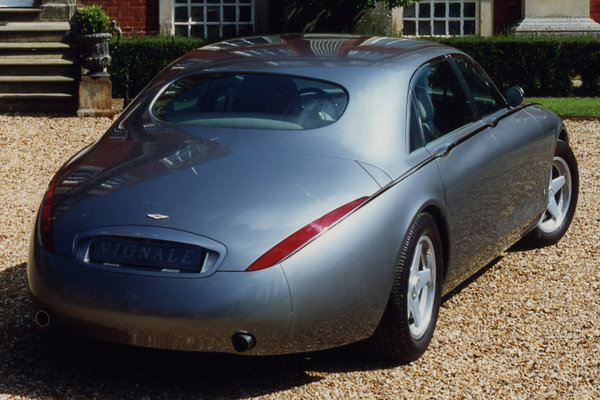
(514, 96)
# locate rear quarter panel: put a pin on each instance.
(341, 282)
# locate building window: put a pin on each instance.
(213, 18)
(441, 18)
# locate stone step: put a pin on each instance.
(36, 50)
(36, 55)
(34, 45)
(37, 84)
(13, 32)
(37, 66)
(36, 96)
(64, 103)
(29, 61)
(10, 14)
(36, 79)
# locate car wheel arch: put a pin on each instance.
(562, 135)
(393, 339)
(441, 223)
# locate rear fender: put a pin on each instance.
(348, 272)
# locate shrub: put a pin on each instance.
(143, 57)
(91, 19)
(542, 66)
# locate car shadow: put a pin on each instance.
(36, 362)
(471, 279)
(523, 245)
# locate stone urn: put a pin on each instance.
(94, 52)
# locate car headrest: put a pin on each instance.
(424, 104)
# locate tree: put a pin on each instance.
(358, 4)
(325, 15)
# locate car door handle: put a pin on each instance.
(444, 150)
(493, 123)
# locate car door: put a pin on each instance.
(525, 153)
(468, 159)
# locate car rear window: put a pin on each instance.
(251, 101)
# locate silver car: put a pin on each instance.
(283, 194)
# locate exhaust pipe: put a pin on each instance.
(42, 318)
(243, 341)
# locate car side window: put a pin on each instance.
(440, 100)
(415, 138)
(486, 97)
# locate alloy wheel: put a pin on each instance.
(559, 196)
(421, 287)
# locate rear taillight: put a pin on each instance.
(46, 222)
(302, 236)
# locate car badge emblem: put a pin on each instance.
(157, 216)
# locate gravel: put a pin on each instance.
(528, 326)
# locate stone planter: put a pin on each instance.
(94, 52)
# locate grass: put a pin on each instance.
(570, 106)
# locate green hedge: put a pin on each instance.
(541, 66)
(143, 57)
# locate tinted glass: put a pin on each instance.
(195, 30)
(441, 103)
(454, 10)
(454, 28)
(251, 101)
(439, 10)
(181, 14)
(198, 14)
(415, 130)
(486, 97)
(409, 28)
(181, 30)
(469, 10)
(229, 31)
(469, 28)
(439, 28)
(245, 14)
(229, 14)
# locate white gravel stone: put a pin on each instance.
(528, 327)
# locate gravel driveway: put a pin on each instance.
(527, 327)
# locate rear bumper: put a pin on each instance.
(194, 314)
(330, 293)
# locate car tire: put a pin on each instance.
(407, 325)
(562, 199)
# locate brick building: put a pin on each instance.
(205, 18)
(133, 16)
(595, 10)
(214, 18)
(218, 18)
(492, 17)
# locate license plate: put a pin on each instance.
(154, 254)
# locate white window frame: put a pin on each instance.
(221, 22)
(17, 3)
(447, 19)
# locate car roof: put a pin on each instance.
(375, 72)
(314, 54)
